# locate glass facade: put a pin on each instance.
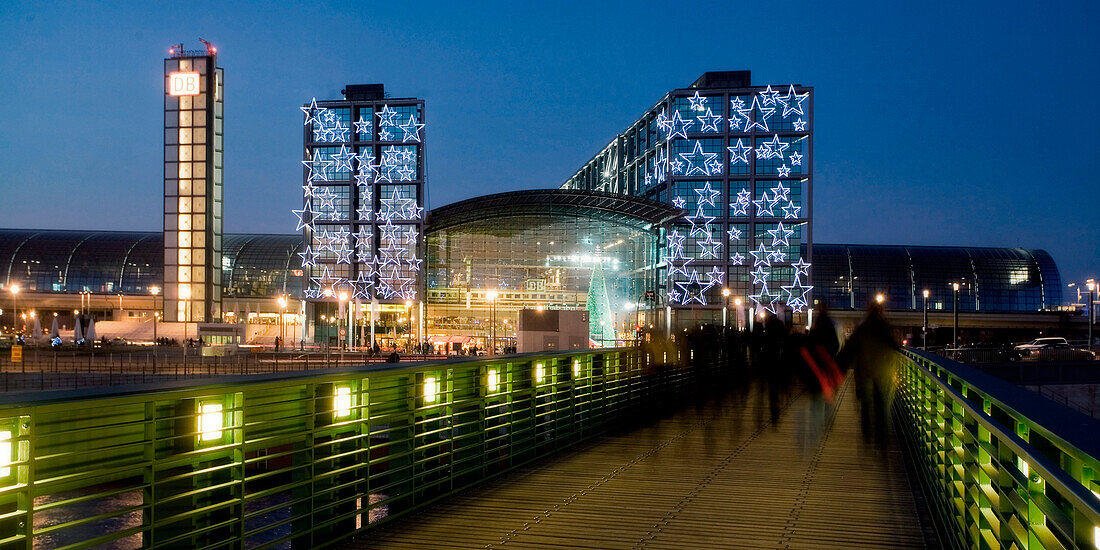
(737, 159)
(193, 145)
(552, 255)
(362, 217)
(993, 280)
(504, 248)
(130, 262)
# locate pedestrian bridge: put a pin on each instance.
(600, 449)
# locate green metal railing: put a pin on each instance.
(1003, 468)
(298, 460)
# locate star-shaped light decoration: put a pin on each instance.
(698, 103)
(760, 121)
(678, 126)
(715, 276)
(709, 122)
(700, 222)
(737, 259)
(792, 102)
(708, 247)
(739, 152)
(363, 127)
(734, 234)
(341, 161)
(362, 285)
(799, 125)
(318, 168)
(781, 235)
(790, 212)
(679, 202)
(780, 191)
(797, 291)
(737, 103)
(305, 216)
(707, 195)
(312, 112)
(412, 130)
(764, 206)
(675, 239)
(343, 253)
(761, 256)
(405, 173)
(385, 116)
(698, 160)
(309, 257)
(783, 171)
(796, 158)
(693, 290)
(801, 268)
(662, 122)
(759, 276)
(364, 237)
(769, 95)
(774, 148)
(765, 299)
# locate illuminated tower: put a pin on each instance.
(737, 158)
(362, 216)
(193, 126)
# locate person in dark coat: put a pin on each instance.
(871, 352)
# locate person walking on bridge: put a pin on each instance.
(871, 352)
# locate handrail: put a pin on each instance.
(1002, 465)
(300, 459)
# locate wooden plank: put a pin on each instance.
(709, 476)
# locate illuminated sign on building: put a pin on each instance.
(180, 83)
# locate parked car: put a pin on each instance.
(1052, 349)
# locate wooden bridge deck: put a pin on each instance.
(713, 476)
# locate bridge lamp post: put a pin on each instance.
(737, 309)
(725, 306)
(924, 331)
(185, 296)
(492, 296)
(1091, 284)
(282, 319)
(154, 290)
(14, 307)
(955, 313)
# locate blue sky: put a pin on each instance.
(962, 123)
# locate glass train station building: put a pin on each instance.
(710, 189)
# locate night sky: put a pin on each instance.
(956, 123)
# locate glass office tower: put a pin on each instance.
(738, 160)
(362, 218)
(193, 126)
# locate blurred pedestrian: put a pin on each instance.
(871, 352)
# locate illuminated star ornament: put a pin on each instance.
(411, 129)
(709, 122)
(698, 161)
(739, 153)
(698, 103)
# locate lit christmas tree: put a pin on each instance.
(601, 325)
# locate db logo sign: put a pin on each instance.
(183, 84)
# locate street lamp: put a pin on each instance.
(15, 306)
(345, 308)
(492, 296)
(185, 296)
(725, 306)
(409, 326)
(737, 308)
(879, 298)
(282, 319)
(155, 290)
(1091, 284)
(955, 314)
(924, 331)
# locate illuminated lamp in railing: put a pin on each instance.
(431, 389)
(493, 381)
(211, 421)
(341, 402)
(6, 453)
(540, 373)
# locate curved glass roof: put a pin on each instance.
(990, 279)
(621, 209)
(130, 261)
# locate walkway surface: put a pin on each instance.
(713, 476)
